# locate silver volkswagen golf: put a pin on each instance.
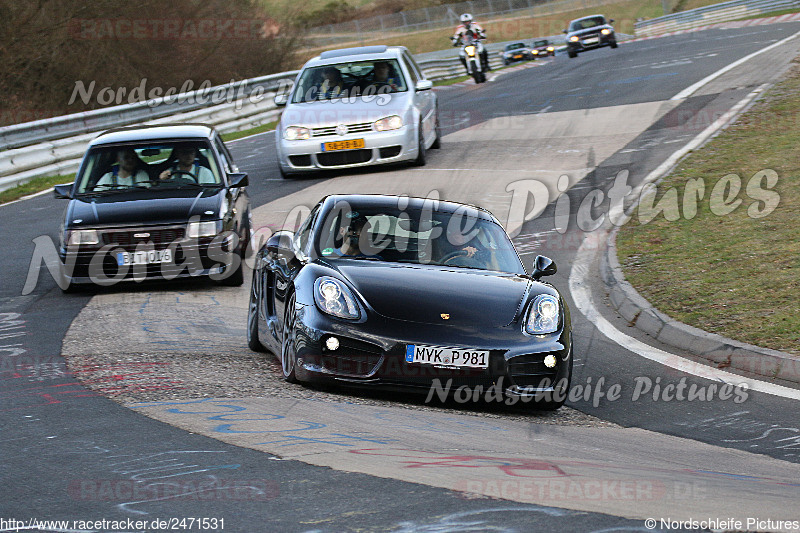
(356, 107)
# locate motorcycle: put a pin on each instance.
(471, 54)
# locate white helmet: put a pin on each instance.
(466, 18)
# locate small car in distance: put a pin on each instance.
(587, 33)
(516, 52)
(155, 202)
(356, 107)
(543, 48)
(398, 292)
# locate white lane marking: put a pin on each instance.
(583, 300)
(250, 136)
(579, 289)
(616, 211)
(28, 197)
(692, 88)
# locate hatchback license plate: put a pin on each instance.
(440, 355)
(144, 257)
(353, 144)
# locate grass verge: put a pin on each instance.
(736, 274)
(33, 186)
(246, 133)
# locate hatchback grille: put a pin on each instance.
(345, 157)
(132, 237)
(351, 128)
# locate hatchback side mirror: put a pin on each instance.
(543, 266)
(281, 99)
(424, 85)
(63, 192)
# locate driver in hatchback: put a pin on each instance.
(188, 164)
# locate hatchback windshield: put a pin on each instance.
(146, 165)
(582, 24)
(422, 237)
(354, 78)
(515, 46)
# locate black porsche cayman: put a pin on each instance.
(398, 292)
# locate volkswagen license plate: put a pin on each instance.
(440, 355)
(353, 144)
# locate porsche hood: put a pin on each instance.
(437, 295)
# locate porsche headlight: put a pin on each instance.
(543, 315)
(334, 298)
(574, 39)
(83, 236)
(605, 31)
(389, 123)
(469, 50)
(201, 229)
(296, 133)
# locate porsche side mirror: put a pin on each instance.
(63, 192)
(543, 266)
(237, 179)
(281, 99)
(280, 244)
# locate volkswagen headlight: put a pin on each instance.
(195, 230)
(83, 236)
(296, 133)
(334, 298)
(389, 123)
(543, 315)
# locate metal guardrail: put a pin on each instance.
(702, 16)
(55, 146)
(18, 135)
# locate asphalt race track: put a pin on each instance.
(278, 460)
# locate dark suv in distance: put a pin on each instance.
(589, 32)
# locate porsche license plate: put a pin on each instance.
(144, 257)
(353, 144)
(440, 355)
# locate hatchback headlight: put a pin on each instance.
(574, 39)
(389, 123)
(605, 31)
(543, 315)
(83, 236)
(296, 133)
(334, 298)
(201, 229)
(550, 48)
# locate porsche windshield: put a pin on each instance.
(423, 237)
(354, 78)
(148, 165)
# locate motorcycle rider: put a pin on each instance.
(469, 26)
